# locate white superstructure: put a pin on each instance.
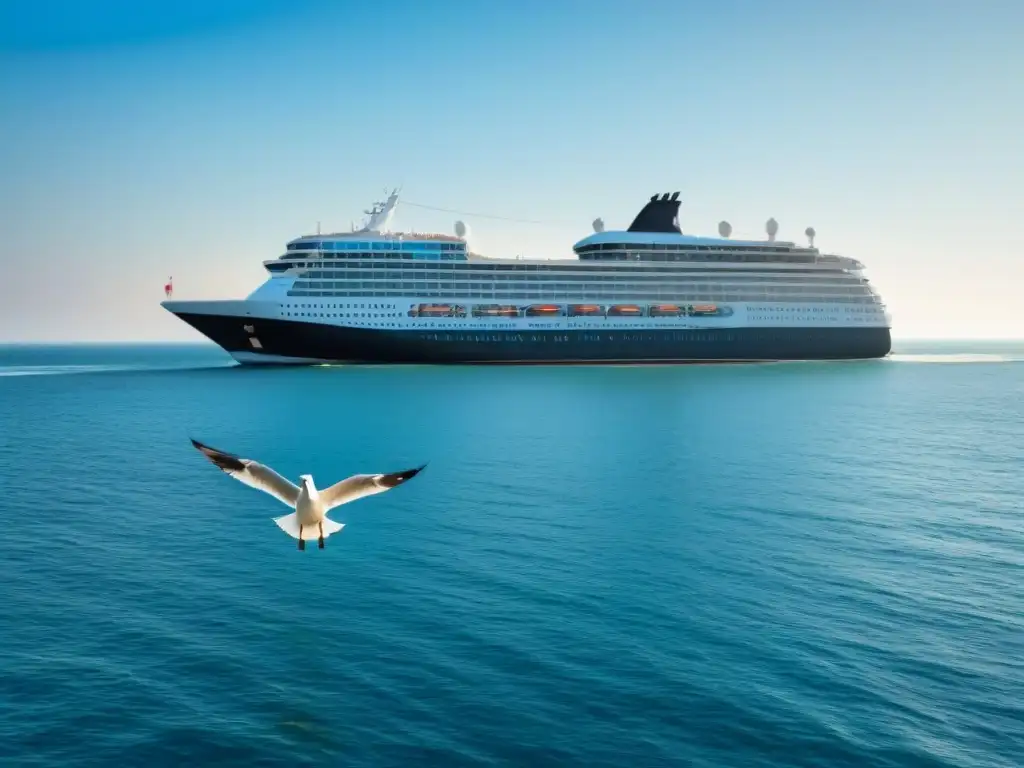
(649, 277)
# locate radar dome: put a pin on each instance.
(460, 228)
(724, 228)
(771, 227)
(598, 224)
(810, 235)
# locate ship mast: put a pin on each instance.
(380, 213)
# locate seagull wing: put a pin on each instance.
(358, 486)
(253, 474)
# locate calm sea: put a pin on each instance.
(796, 564)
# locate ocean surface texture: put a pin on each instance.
(796, 564)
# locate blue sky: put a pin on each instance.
(194, 138)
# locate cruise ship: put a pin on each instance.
(649, 294)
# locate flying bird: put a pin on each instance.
(309, 520)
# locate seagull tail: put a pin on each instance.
(290, 525)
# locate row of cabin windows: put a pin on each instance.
(699, 297)
(646, 248)
(665, 296)
(583, 289)
(742, 257)
(378, 245)
(389, 274)
(427, 258)
(322, 306)
(468, 289)
(630, 256)
(731, 247)
(341, 314)
(570, 266)
(368, 270)
(379, 306)
(318, 310)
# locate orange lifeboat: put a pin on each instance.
(705, 309)
(625, 309)
(495, 310)
(543, 310)
(665, 310)
(577, 310)
(442, 310)
(435, 309)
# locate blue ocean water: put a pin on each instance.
(805, 564)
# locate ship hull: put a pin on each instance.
(274, 341)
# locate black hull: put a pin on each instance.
(313, 341)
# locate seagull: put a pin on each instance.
(309, 520)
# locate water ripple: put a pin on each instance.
(791, 566)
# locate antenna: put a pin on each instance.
(771, 227)
(460, 229)
(724, 228)
(598, 224)
(810, 235)
(318, 227)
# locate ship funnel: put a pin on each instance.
(659, 215)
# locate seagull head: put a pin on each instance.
(306, 479)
